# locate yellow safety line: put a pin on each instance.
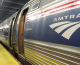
(6, 58)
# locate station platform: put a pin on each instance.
(6, 58)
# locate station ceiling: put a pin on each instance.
(9, 7)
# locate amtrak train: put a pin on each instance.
(44, 32)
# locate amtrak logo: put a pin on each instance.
(71, 28)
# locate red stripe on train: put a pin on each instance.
(43, 13)
(65, 8)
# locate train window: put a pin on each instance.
(3, 30)
(35, 6)
(44, 2)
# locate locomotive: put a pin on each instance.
(44, 32)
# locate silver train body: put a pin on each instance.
(45, 32)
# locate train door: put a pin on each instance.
(20, 32)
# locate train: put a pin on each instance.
(44, 32)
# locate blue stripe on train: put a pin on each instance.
(39, 29)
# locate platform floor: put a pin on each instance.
(6, 58)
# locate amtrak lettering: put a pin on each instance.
(65, 24)
(67, 17)
(28, 28)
